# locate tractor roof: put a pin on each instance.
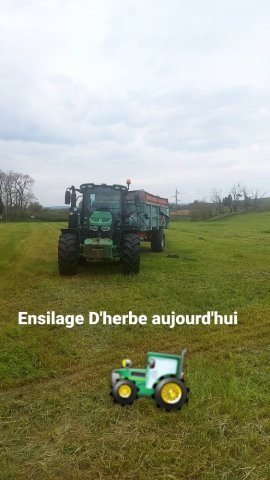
(163, 355)
(92, 185)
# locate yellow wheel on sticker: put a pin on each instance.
(171, 392)
(124, 391)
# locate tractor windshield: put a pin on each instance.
(100, 197)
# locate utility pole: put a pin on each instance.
(176, 197)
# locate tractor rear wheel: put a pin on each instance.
(131, 253)
(171, 393)
(67, 254)
(124, 392)
(157, 240)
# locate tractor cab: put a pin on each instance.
(103, 197)
(102, 206)
(160, 365)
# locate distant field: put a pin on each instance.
(58, 421)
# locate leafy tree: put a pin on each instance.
(228, 202)
(201, 210)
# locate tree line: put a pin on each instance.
(15, 194)
(239, 199)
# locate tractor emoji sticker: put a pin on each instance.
(162, 379)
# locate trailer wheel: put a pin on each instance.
(131, 253)
(124, 392)
(171, 393)
(157, 240)
(67, 254)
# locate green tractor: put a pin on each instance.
(162, 379)
(108, 224)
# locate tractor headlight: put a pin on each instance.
(94, 228)
(115, 377)
(105, 229)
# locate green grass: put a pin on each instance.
(58, 421)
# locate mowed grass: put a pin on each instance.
(58, 421)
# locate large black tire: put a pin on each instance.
(157, 241)
(124, 392)
(67, 254)
(171, 393)
(131, 253)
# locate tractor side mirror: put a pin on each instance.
(67, 197)
(152, 363)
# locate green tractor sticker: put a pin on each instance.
(162, 379)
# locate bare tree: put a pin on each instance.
(216, 198)
(25, 196)
(15, 193)
(2, 206)
(256, 196)
(246, 197)
(236, 193)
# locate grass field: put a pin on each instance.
(58, 421)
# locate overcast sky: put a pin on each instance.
(170, 93)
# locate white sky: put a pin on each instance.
(166, 92)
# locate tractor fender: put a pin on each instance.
(168, 375)
(69, 230)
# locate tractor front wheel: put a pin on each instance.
(124, 392)
(67, 254)
(131, 253)
(157, 240)
(171, 393)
